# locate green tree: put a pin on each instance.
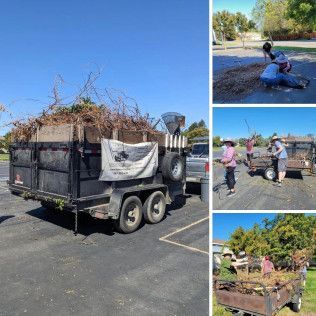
(303, 12)
(5, 142)
(242, 25)
(197, 132)
(224, 25)
(252, 26)
(236, 240)
(217, 141)
(272, 17)
(280, 237)
(196, 129)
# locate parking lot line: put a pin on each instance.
(164, 238)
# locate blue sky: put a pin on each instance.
(225, 224)
(154, 51)
(244, 6)
(230, 122)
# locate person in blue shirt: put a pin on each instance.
(281, 154)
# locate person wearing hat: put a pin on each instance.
(267, 267)
(227, 270)
(281, 154)
(229, 162)
(272, 76)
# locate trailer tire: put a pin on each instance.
(130, 216)
(172, 166)
(154, 207)
(270, 174)
(296, 307)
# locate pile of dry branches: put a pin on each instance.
(278, 280)
(100, 116)
(105, 110)
(237, 82)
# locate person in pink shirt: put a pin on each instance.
(229, 162)
(267, 267)
(250, 142)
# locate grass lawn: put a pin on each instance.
(219, 310)
(4, 157)
(295, 49)
(308, 302)
(290, 48)
(309, 297)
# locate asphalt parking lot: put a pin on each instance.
(257, 193)
(45, 269)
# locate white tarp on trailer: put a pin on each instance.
(121, 161)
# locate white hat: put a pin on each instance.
(281, 59)
(229, 140)
(275, 137)
(227, 252)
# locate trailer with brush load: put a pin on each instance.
(123, 175)
(301, 157)
(253, 298)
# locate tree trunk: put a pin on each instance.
(271, 39)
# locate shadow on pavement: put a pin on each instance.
(4, 218)
(193, 188)
(88, 225)
(291, 174)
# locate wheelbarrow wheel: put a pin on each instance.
(270, 174)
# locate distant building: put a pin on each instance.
(217, 249)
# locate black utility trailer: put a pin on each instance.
(60, 166)
(268, 303)
(301, 157)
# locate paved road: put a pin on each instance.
(304, 64)
(46, 270)
(4, 170)
(257, 193)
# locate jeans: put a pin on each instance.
(281, 79)
(230, 177)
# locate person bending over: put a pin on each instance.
(272, 76)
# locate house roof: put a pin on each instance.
(219, 241)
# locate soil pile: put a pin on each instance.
(237, 82)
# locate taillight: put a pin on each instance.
(207, 167)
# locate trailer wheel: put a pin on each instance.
(296, 307)
(270, 174)
(172, 166)
(130, 215)
(154, 208)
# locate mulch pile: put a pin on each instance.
(102, 117)
(237, 82)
